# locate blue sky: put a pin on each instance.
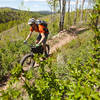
(33, 5)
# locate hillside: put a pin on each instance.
(10, 17)
(71, 49)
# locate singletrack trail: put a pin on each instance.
(64, 37)
(60, 40)
(57, 41)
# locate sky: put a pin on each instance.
(33, 5)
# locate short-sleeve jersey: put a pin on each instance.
(39, 28)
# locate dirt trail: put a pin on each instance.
(56, 42)
(60, 40)
(64, 37)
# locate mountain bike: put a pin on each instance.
(28, 60)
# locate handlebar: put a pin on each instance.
(32, 45)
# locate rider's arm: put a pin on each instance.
(43, 36)
(29, 36)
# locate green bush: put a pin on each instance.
(10, 55)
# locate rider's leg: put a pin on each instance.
(38, 38)
(44, 44)
(44, 49)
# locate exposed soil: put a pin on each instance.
(60, 40)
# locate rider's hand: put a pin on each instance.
(25, 42)
(38, 45)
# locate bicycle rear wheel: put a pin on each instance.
(27, 62)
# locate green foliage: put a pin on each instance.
(10, 94)
(77, 79)
(78, 84)
(78, 22)
(16, 71)
(54, 27)
(8, 25)
(53, 4)
(10, 55)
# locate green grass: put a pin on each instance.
(78, 48)
(68, 74)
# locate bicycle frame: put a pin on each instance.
(36, 50)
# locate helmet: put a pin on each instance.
(38, 21)
(31, 21)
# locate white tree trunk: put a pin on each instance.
(75, 18)
(69, 13)
(82, 6)
(62, 13)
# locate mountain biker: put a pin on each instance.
(42, 36)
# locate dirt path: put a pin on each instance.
(60, 40)
(64, 37)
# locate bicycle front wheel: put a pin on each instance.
(27, 62)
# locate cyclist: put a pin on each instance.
(42, 36)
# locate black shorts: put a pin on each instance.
(45, 39)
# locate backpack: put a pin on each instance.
(41, 22)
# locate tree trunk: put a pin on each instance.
(54, 14)
(54, 11)
(81, 19)
(69, 21)
(62, 4)
(86, 14)
(97, 21)
(75, 18)
(87, 11)
(51, 15)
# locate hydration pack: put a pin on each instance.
(41, 22)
